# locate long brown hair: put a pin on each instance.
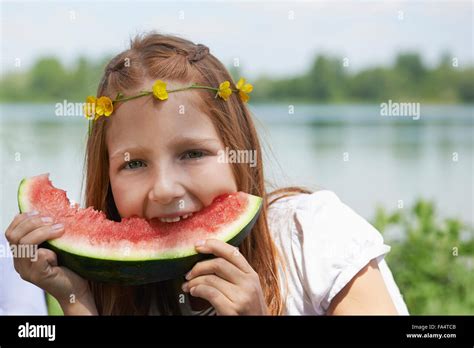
(166, 57)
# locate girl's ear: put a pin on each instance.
(111, 209)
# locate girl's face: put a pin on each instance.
(163, 157)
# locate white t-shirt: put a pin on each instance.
(324, 244)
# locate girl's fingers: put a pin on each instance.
(26, 226)
(226, 251)
(218, 300)
(49, 256)
(44, 267)
(15, 222)
(229, 290)
(218, 266)
(19, 218)
(42, 234)
(33, 269)
(23, 266)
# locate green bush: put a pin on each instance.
(431, 259)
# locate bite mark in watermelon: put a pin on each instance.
(135, 251)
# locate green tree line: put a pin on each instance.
(326, 80)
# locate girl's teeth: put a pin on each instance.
(176, 219)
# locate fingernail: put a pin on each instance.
(192, 290)
(46, 219)
(32, 213)
(188, 275)
(200, 243)
(184, 287)
(57, 227)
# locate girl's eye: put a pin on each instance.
(134, 164)
(193, 154)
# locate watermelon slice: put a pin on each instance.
(135, 251)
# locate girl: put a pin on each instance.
(308, 252)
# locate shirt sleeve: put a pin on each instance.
(334, 243)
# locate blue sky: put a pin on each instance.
(268, 37)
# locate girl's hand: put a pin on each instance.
(40, 267)
(228, 282)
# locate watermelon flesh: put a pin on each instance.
(135, 251)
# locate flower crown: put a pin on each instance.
(104, 106)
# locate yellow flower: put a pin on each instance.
(89, 107)
(244, 89)
(159, 90)
(104, 107)
(224, 90)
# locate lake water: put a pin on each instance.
(367, 159)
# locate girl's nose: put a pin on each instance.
(165, 188)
